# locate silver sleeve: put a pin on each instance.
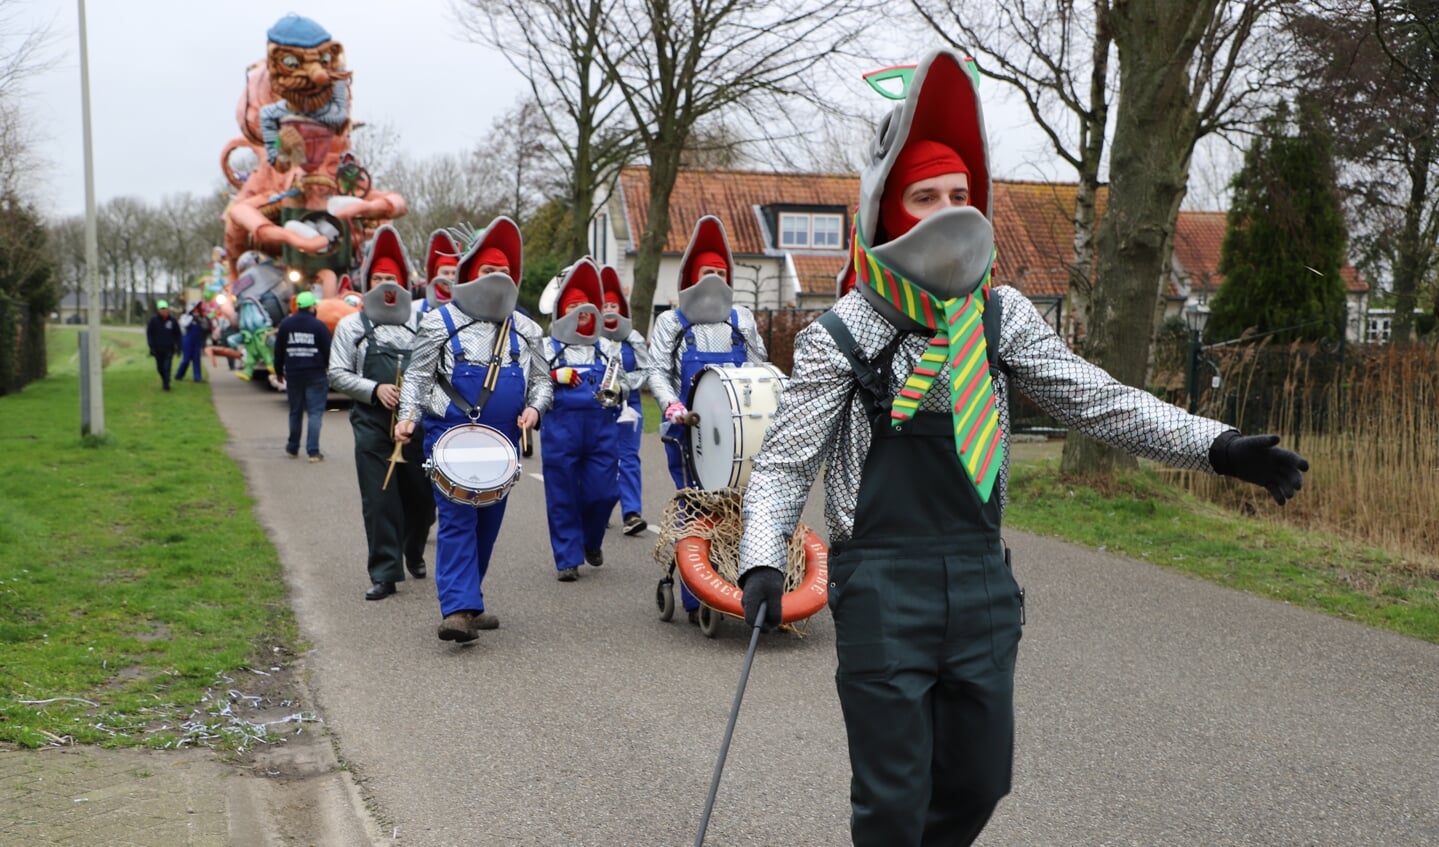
(347, 361)
(754, 347)
(539, 391)
(663, 379)
(1084, 397)
(420, 375)
(802, 435)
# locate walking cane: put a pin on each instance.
(729, 730)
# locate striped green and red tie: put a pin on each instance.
(958, 341)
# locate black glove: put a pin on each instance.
(1257, 459)
(762, 585)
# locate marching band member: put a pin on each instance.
(580, 440)
(706, 328)
(624, 341)
(901, 392)
(446, 385)
(368, 358)
(442, 259)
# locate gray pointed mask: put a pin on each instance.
(387, 304)
(491, 297)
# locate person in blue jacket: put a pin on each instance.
(302, 355)
(580, 440)
(162, 335)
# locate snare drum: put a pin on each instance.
(473, 465)
(735, 404)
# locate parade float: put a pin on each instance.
(304, 206)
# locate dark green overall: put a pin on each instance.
(397, 519)
(927, 625)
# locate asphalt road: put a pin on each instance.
(1153, 709)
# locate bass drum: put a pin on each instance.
(735, 404)
(473, 465)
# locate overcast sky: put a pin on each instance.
(166, 75)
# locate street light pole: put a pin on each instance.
(1193, 376)
(92, 400)
(1194, 318)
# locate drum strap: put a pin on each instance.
(473, 410)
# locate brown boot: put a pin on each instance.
(457, 627)
(484, 620)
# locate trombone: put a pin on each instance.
(396, 455)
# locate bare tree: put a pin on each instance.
(555, 45)
(1056, 54)
(1184, 72)
(21, 55)
(1377, 64)
(679, 65)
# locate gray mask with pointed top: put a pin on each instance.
(947, 254)
(491, 297)
(621, 329)
(383, 313)
(566, 330)
(708, 301)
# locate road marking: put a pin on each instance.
(540, 477)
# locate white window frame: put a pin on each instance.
(807, 230)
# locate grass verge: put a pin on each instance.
(1145, 517)
(136, 586)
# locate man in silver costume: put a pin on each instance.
(901, 394)
(368, 357)
(706, 327)
(457, 342)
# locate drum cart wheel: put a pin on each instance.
(665, 598)
(710, 620)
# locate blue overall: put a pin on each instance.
(631, 499)
(466, 536)
(580, 456)
(192, 344)
(691, 363)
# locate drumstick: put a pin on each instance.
(729, 729)
(525, 440)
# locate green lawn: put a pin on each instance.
(134, 576)
(1144, 517)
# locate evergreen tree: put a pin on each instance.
(28, 292)
(1286, 237)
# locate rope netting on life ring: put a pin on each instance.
(716, 516)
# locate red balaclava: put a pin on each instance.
(709, 258)
(386, 265)
(921, 159)
(446, 261)
(575, 297)
(492, 256)
(613, 297)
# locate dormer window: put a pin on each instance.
(811, 230)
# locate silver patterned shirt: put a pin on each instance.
(347, 355)
(821, 421)
(432, 355)
(667, 349)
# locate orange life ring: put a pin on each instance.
(692, 560)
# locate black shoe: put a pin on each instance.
(568, 574)
(634, 524)
(595, 557)
(694, 616)
(380, 590)
(417, 570)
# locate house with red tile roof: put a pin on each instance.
(789, 233)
